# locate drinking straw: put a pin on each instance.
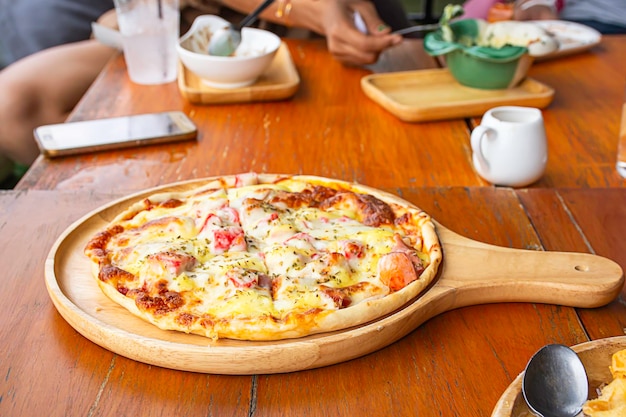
(160, 7)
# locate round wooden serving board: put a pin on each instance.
(595, 356)
(472, 273)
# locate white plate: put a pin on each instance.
(573, 37)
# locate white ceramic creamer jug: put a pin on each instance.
(509, 146)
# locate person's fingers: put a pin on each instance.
(347, 33)
(360, 50)
(348, 44)
(354, 57)
(373, 23)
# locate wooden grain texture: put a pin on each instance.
(33, 335)
(327, 128)
(598, 222)
(280, 81)
(330, 128)
(434, 94)
(457, 363)
(48, 368)
(472, 273)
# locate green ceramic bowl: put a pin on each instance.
(478, 66)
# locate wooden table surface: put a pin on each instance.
(458, 363)
(330, 128)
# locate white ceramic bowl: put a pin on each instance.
(250, 60)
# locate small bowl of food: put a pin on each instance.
(253, 56)
(489, 55)
(605, 365)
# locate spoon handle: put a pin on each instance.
(418, 28)
(255, 14)
(359, 23)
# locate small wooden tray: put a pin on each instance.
(278, 82)
(595, 356)
(424, 95)
(472, 273)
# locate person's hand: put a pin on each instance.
(345, 42)
(538, 12)
(334, 19)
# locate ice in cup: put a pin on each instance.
(150, 31)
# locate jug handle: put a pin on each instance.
(476, 140)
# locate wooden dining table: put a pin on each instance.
(458, 362)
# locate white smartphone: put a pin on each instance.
(113, 133)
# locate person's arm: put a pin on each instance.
(29, 99)
(333, 19)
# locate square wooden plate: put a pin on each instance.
(433, 94)
(280, 81)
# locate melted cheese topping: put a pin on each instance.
(234, 254)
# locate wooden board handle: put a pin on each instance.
(483, 273)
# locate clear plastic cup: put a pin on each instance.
(621, 144)
(150, 31)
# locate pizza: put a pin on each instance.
(265, 257)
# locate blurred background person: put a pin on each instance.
(29, 26)
(606, 16)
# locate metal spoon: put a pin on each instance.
(359, 23)
(225, 41)
(555, 383)
(417, 28)
(450, 12)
